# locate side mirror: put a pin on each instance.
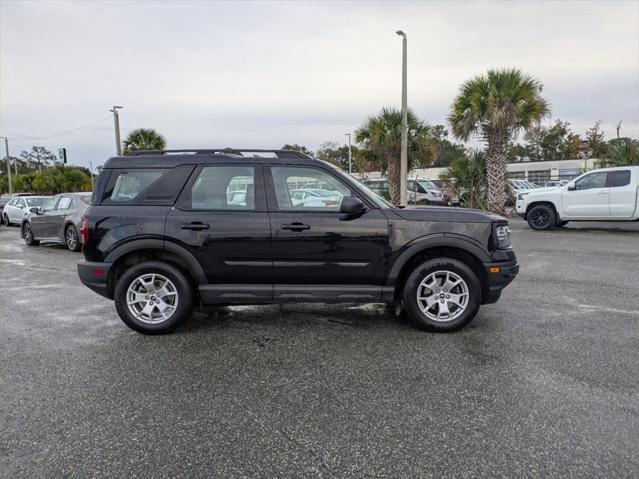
(351, 207)
(35, 210)
(572, 187)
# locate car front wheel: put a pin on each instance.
(153, 297)
(541, 217)
(442, 295)
(27, 235)
(6, 220)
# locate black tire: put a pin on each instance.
(72, 239)
(541, 217)
(184, 297)
(6, 220)
(439, 266)
(27, 235)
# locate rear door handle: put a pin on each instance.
(296, 227)
(195, 226)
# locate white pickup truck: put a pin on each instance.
(608, 194)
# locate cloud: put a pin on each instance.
(265, 74)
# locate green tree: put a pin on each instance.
(337, 154)
(300, 148)
(144, 139)
(621, 152)
(467, 175)
(556, 142)
(596, 141)
(447, 151)
(497, 106)
(380, 138)
(37, 158)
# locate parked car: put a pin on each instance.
(58, 219)
(19, 207)
(555, 183)
(174, 242)
(420, 191)
(449, 192)
(608, 194)
(4, 199)
(315, 197)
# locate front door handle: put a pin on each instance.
(195, 226)
(296, 227)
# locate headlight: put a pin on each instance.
(502, 236)
(520, 196)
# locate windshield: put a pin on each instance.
(374, 197)
(86, 198)
(429, 185)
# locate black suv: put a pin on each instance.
(170, 230)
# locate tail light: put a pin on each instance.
(84, 233)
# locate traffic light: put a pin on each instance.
(62, 155)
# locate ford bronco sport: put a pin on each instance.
(171, 230)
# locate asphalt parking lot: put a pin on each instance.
(544, 383)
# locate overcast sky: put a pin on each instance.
(260, 74)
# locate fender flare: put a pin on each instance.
(160, 245)
(449, 240)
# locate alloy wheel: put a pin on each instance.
(72, 238)
(540, 218)
(152, 298)
(442, 296)
(26, 233)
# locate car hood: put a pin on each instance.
(444, 213)
(541, 190)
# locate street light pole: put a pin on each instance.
(350, 154)
(6, 149)
(116, 122)
(404, 152)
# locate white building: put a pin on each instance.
(538, 172)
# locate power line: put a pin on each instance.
(62, 132)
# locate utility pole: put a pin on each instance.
(116, 123)
(618, 128)
(350, 154)
(6, 149)
(404, 153)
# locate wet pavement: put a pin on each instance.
(544, 383)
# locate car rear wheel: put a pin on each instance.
(541, 217)
(153, 297)
(442, 295)
(72, 238)
(27, 235)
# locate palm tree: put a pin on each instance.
(622, 152)
(467, 176)
(380, 137)
(144, 139)
(497, 106)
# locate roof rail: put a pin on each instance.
(223, 151)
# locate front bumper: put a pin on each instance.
(519, 207)
(94, 276)
(499, 275)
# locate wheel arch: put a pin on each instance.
(542, 202)
(140, 251)
(461, 250)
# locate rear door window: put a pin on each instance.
(622, 178)
(224, 188)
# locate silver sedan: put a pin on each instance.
(58, 220)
